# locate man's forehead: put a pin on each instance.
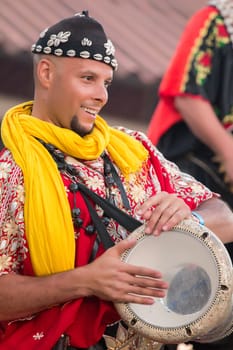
(86, 66)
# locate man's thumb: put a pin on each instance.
(126, 244)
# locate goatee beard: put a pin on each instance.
(77, 128)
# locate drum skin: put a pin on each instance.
(198, 303)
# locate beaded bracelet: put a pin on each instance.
(199, 217)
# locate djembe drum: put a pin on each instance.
(198, 302)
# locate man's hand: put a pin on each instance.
(111, 279)
(162, 212)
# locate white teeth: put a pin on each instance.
(91, 111)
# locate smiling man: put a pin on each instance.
(64, 173)
(78, 91)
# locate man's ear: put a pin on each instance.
(45, 72)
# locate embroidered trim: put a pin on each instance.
(225, 7)
(194, 49)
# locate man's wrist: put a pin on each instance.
(198, 218)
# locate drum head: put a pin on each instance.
(198, 269)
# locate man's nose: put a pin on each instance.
(101, 93)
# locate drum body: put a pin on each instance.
(198, 269)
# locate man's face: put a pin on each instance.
(77, 92)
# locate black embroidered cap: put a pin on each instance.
(77, 36)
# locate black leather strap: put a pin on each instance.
(125, 220)
(117, 181)
(100, 228)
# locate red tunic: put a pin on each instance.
(193, 72)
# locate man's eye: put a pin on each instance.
(88, 77)
(107, 84)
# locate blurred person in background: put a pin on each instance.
(192, 123)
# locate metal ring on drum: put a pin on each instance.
(198, 269)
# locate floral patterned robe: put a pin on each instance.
(84, 320)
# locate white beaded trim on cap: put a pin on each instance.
(71, 53)
(47, 50)
(98, 57)
(58, 52)
(62, 37)
(84, 54)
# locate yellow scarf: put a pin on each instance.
(48, 222)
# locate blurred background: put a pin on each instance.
(144, 32)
